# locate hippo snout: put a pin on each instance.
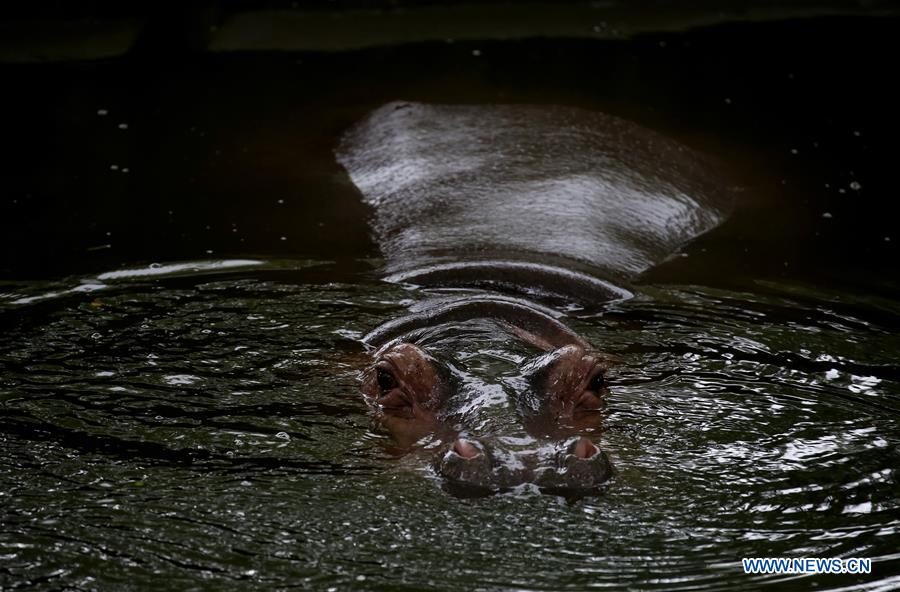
(486, 467)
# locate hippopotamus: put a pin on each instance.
(500, 218)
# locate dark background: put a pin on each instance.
(134, 133)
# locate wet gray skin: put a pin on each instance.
(499, 218)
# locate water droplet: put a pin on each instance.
(855, 186)
(123, 126)
(102, 112)
(476, 52)
(826, 215)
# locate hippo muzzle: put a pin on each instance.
(570, 467)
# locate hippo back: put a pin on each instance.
(463, 183)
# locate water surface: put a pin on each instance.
(202, 423)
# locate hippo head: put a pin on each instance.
(500, 412)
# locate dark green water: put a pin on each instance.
(202, 430)
(200, 427)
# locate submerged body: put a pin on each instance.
(501, 214)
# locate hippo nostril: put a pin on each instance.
(584, 448)
(465, 449)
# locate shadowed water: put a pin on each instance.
(179, 425)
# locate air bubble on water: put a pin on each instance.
(826, 215)
(113, 167)
(281, 201)
(283, 435)
(856, 133)
(794, 151)
(246, 484)
(284, 238)
(855, 186)
(123, 126)
(102, 112)
(476, 52)
(95, 336)
(832, 374)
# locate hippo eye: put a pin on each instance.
(598, 383)
(386, 380)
